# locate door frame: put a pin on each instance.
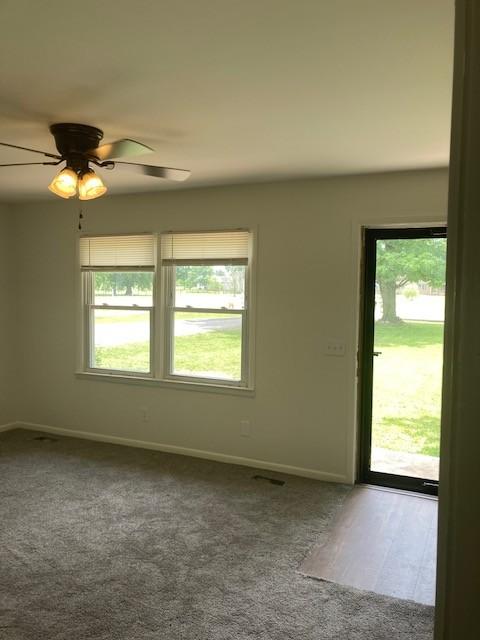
(365, 356)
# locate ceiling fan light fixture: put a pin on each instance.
(90, 186)
(64, 183)
(78, 146)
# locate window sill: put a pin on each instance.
(167, 384)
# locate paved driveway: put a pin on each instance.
(112, 334)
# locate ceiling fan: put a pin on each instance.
(78, 146)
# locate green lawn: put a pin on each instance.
(133, 356)
(407, 387)
(132, 316)
(217, 352)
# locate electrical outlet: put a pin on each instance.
(144, 414)
(335, 348)
(245, 428)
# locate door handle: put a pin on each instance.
(377, 353)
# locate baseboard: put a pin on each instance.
(8, 426)
(184, 451)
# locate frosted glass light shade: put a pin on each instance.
(64, 183)
(90, 186)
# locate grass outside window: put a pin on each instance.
(408, 386)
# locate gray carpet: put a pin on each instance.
(106, 542)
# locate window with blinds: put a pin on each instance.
(118, 292)
(198, 302)
(207, 304)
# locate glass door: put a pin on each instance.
(401, 357)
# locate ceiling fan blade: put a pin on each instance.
(26, 164)
(168, 173)
(15, 146)
(120, 148)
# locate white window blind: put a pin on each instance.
(117, 252)
(212, 247)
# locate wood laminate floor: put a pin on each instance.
(383, 541)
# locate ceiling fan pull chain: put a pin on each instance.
(80, 218)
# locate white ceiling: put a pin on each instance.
(235, 90)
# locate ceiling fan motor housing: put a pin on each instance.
(75, 141)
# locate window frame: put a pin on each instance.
(168, 275)
(161, 327)
(89, 307)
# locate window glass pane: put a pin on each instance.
(208, 345)
(210, 286)
(123, 288)
(121, 340)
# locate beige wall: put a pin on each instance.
(303, 412)
(7, 309)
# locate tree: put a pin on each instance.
(123, 282)
(194, 277)
(234, 279)
(411, 260)
(134, 280)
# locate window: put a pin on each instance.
(203, 311)
(206, 282)
(118, 286)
